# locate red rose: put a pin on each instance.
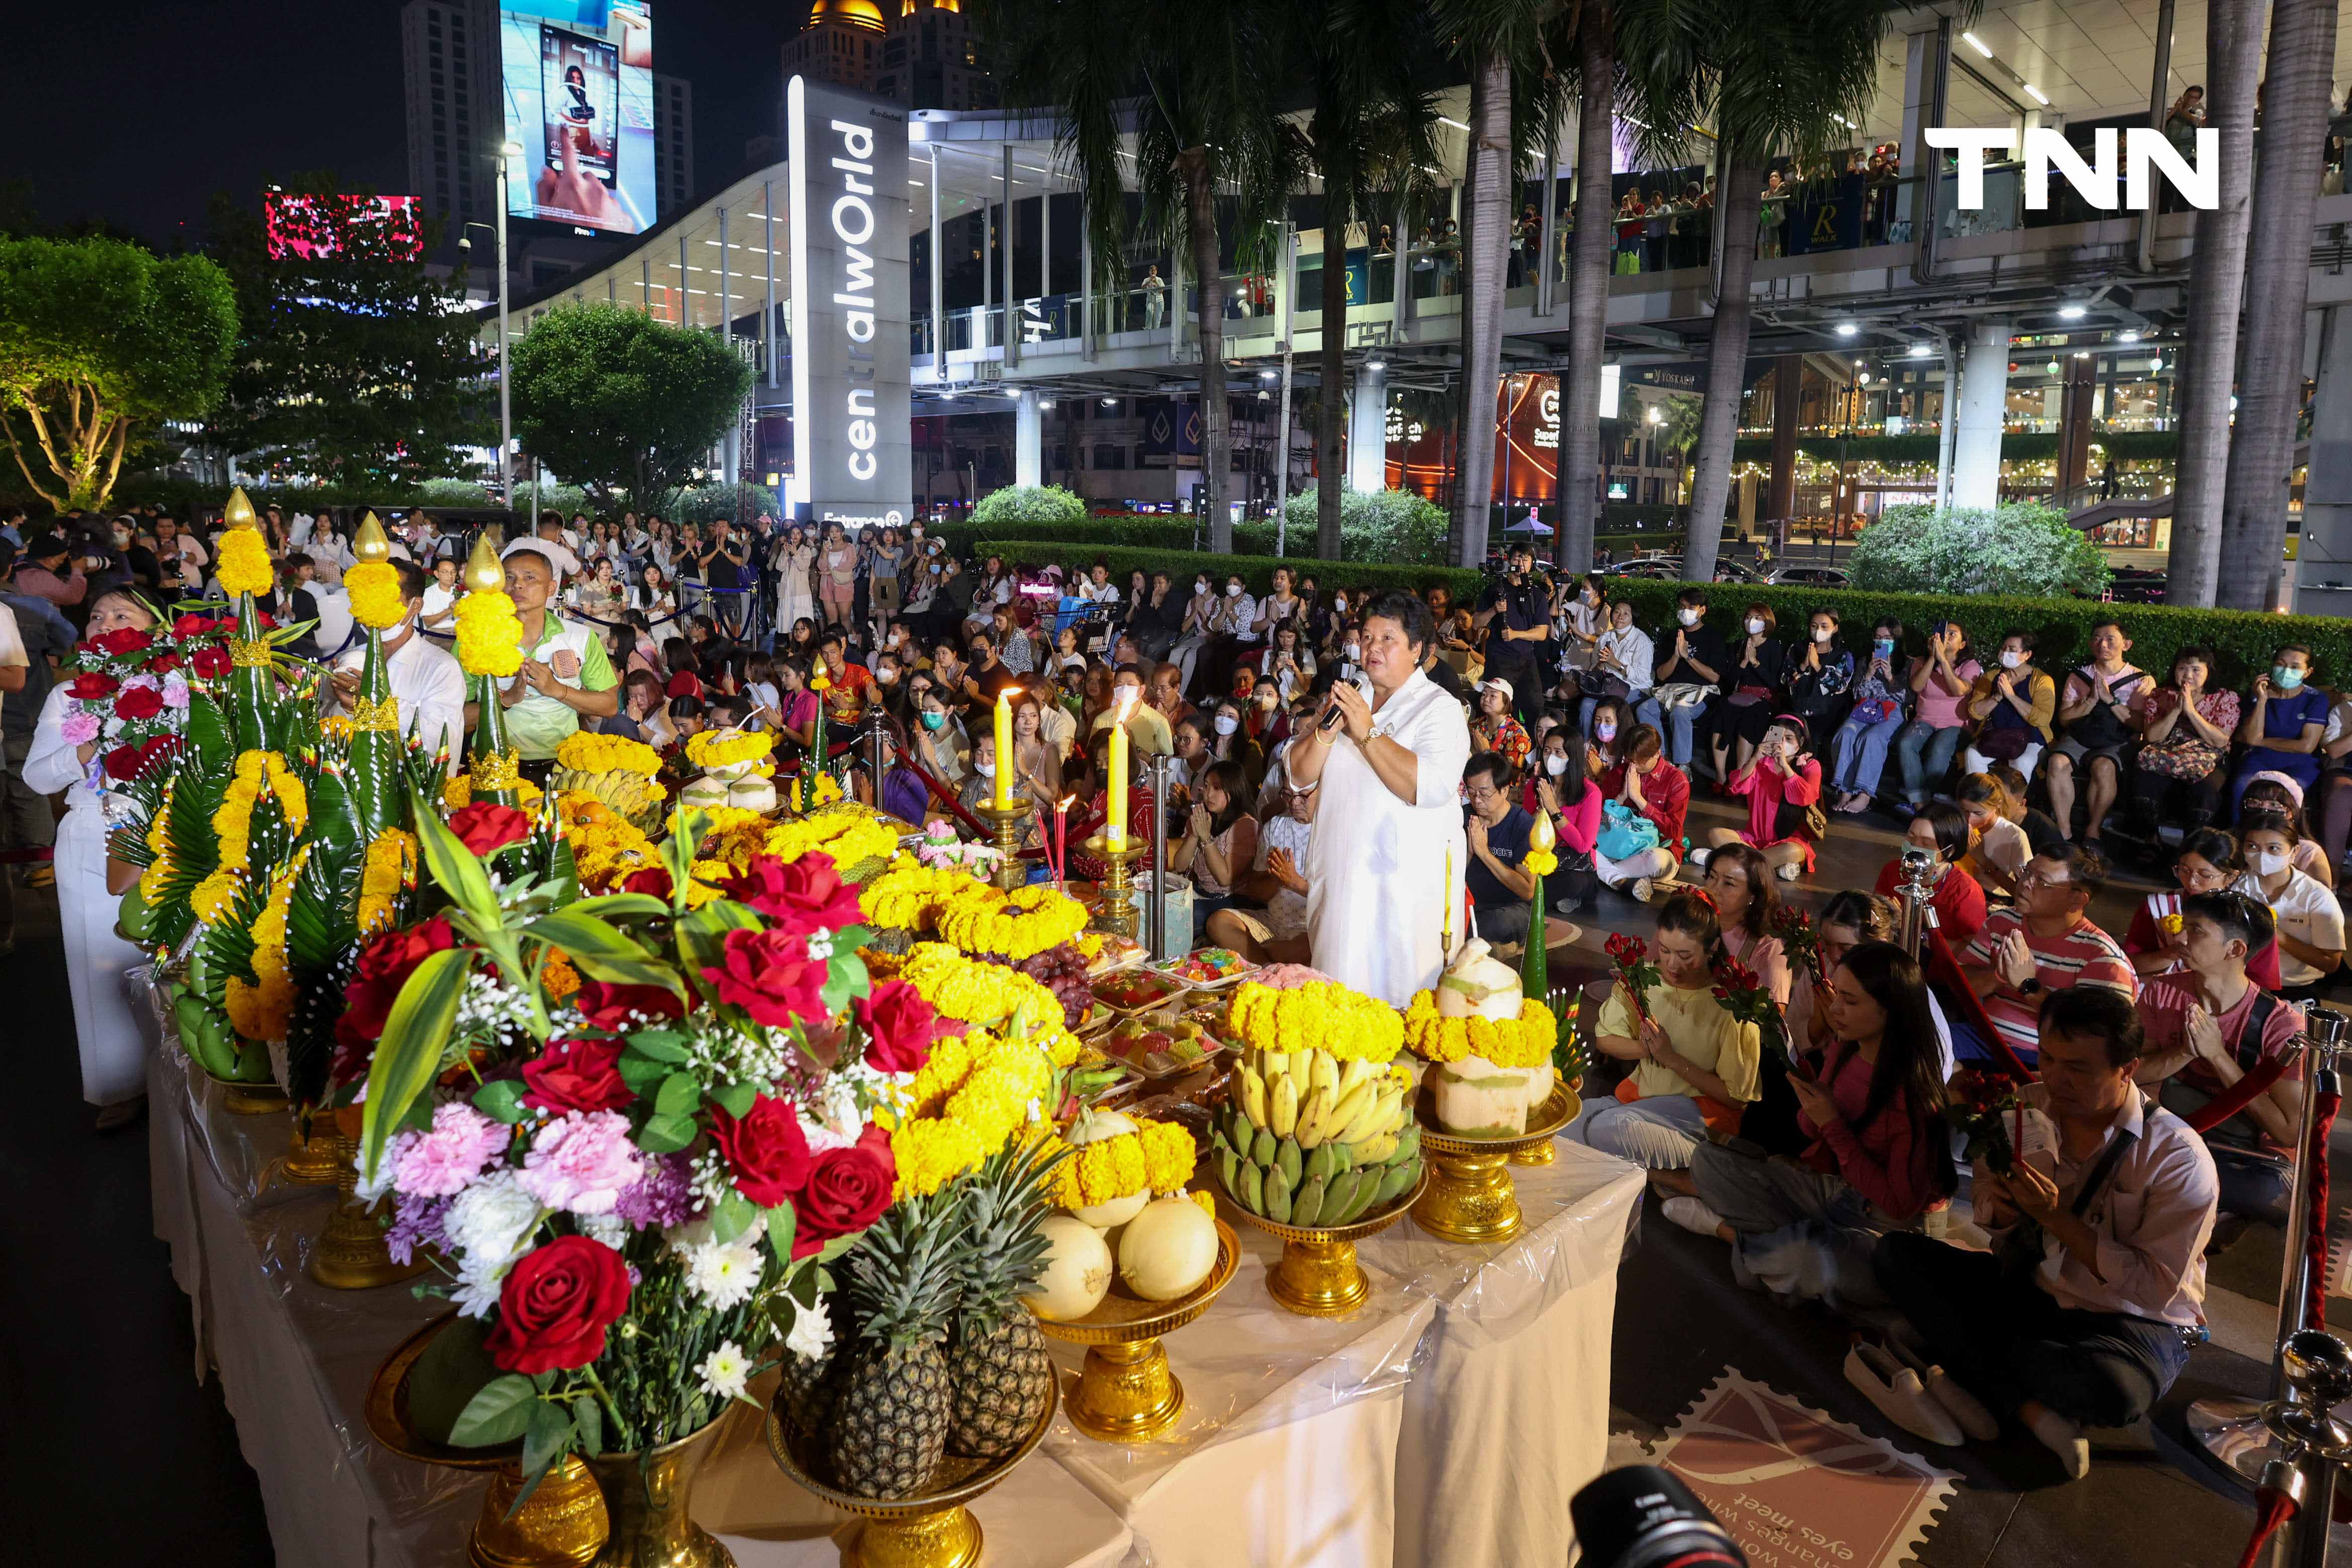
(577, 1075)
(192, 627)
(652, 881)
(163, 664)
(486, 825)
(127, 641)
(124, 762)
(138, 702)
(769, 975)
(848, 1190)
(92, 685)
(805, 896)
(899, 1027)
(386, 961)
(618, 1007)
(765, 1150)
(208, 663)
(556, 1304)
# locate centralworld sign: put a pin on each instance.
(852, 408)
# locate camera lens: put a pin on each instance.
(1643, 1517)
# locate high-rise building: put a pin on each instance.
(672, 143)
(840, 43)
(932, 58)
(449, 50)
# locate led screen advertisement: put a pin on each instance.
(312, 227)
(579, 87)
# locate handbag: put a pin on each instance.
(1625, 833)
(1677, 694)
(2005, 744)
(1608, 684)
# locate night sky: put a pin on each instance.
(135, 113)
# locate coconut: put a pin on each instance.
(1090, 1126)
(1078, 1271)
(752, 794)
(706, 791)
(1167, 1249)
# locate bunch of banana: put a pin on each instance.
(631, 795)
(1309, 1141)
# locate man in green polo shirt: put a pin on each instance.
(566, 675)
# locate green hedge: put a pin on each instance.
(2243, 640)
(1257, 571)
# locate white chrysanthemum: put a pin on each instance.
(373, 1187)
(609, 1228)
(473, 1295)
(724, 1275)
(725, 1370)
(488, 1222)
(812, 1334)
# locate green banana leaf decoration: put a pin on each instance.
(323, 933)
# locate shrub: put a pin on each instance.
(2021, 548)
(709, 503)
(566, 498)
(1015, 507)
(1393, 526)
(451, 492)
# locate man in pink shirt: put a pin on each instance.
(2045, 943)
(47, 571)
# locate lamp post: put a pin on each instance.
(507, 149)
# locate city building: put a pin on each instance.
(840, 43)
(672, 143)
(449, 56)
(931, 59)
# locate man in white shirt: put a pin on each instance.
(425, 679)
(2100, 1227)
(440, 612)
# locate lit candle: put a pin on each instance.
(1062, 840)
(1115, 816)
(1446, 900)
(1003, 799)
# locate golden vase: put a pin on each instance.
(1469, 1197)
(350, 1254)
(647, 1496)
(1318, 1276)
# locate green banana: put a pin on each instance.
(1229, 1171)
(1308, 1204)
(1262, 1151)
(1277, 1196)
(1397, 1180)
(1286, 1158)
(1408, 1144)
(1340, 1196)
(1252, 1192)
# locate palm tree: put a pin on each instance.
(2291, 148)
(1675, 429)
(2217, 281)
(1195, 85)
(1595, 54)
(1772, 77)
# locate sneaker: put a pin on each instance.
(1965, 1407)
(1697, 857)
(1692, 1216)
(1899, 1396)
(1642, 890)
(1789, 870)
(2063, 1438)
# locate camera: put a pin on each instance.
(1643, 1517)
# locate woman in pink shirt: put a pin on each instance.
(1739, 879)
(1780, 782)
(1940, 683)
(1558, 783)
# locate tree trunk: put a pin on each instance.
(2292, 144)
(1736, 207)
(2217, 281)
(1330, 473)
(1588, 296)
(1482, 298)
(1217, 424)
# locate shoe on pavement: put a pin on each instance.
(1899, 1396)
(1789, 870)
(1642, 890)
(2063, 1438)
(1965, 1407)
(1692, 1215)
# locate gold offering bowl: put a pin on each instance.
(1469, 1196)
(1127, 1392)
(239, 1097)
(1318, 1276)
(935, 1530)
(561, 1525)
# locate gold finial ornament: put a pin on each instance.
(1541, 835)
(484, 573)
(369, 540)
(238, 514)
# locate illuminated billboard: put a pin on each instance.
(312, 227)
(579, 89)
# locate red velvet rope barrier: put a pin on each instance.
(2272, 1510)
(2249, 1088)
(1944, 967)
(2323, 1252)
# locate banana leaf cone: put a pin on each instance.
(253, 692)
(379, 796)
(493, 764)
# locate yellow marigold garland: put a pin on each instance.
(584, 751)
(459, 792)
(232, 822)
(908, 895)
(1158, 1157)
(244, 565)
(825, 791)
(976, 1090)
(1020, 924)
(849, 836)
(606, 847)
(390, 866)
(374, 590)
(1520, 1042)
(213, 895)
(158, 869)
(726, 748)
(489, 634)
(557, 977)
(1322, 1015)
(262, 1012)
(986, 996)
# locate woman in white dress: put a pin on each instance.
(113, 1048)
(1387, 859)
(795, 578)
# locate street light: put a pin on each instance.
(507, 149)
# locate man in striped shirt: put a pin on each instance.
(2045, 943)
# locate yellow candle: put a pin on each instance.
(1114, 815)
(1004, 796)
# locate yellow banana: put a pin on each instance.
(1282, 1114)
(1356, 1071)
(1348, 1108)
(1326, 1072)
(1372, 1118)
(1372, 1151)
(1253, 1095)
(1314, 1119)
(1302, 1068)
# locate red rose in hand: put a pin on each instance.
(126, 640)
(556, 1304)
(93, 684)
(765, 1150)
(848, 1190)
(805, 896)
(138, 702)
(487, 826)
(124, 762)
(386, 961)
(899, 1027)
(577, 1075)
(618, 1007)
(769, 975)
(208, 663)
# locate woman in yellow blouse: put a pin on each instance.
(2011, 704)
(1694, 1064)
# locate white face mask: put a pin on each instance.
(1202, 586)
(985, 770)
(1824, 637)
(1755, 628)
(1688, 617)
(2267, 862)
(1232, 590)
(2010, 658)
(1354, 652)
(1227, 723)
(1605, 732)
(1555, 766)
(1340, 603)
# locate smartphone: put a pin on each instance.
(579, 88)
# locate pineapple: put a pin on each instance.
(997, 1358)
(891, 1400)
(806, 1386)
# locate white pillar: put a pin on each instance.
(1027, 440)
(2323, 568)
(1984, 388)
(1368, 429)
(1922, 66)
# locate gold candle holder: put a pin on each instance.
(350, 1254)
(1116, 915)
(1318, 1276)
(1006, 822)
(1469, 1197)
(1127, 1393)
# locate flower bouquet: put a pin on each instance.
(1743, 996)
(1635, 973)
(129, 694)
(1798, 940)
(1975, 1103)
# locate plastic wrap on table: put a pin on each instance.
(245, 1154)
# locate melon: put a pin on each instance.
(1078, 1271)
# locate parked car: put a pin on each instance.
(1809, 577)
(1670, 568)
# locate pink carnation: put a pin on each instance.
(583, 1162)
(442, 1162)
(175, 692)
(77, 729)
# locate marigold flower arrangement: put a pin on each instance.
(1520, 1042)
(607, 849)
(986, 996)
(458, 792)
(258, 773)
(261, 1011)
(244, 566)
(910, 894)
(853, 838)
(489, 634)
(388, 871)
(586, 751)
(714, 749)
(374, 590)
(1021, 924)
(976, 1090)
(1157, 1157)
(1322, 1015)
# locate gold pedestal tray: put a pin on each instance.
(1011, 872)
(259, 1098)
(351, 1254)
(1469, 1196)
(1318, 1276)
(561, 1525)
(935, 1530)
(1127, 1392)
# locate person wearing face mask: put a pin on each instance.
(1197, 625)
(1752, 687)
(1234, 634)
(1146, 727)
(940, 745)
(1688, 674)
(1579, 620)
(1562, 785)
(1858, 752)
(2010, 705)
(1941, 832)
(425, 680)
(1779, 783)
(1821, 673)
(2285, 717)
(2094, 725)
(1604, 746)
(2310, 920)
(1623, 659)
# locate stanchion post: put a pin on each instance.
(1155, 769)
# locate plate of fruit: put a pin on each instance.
(1159, 1044)
(1136, 990)
(1207, 968)
(1116, 953)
